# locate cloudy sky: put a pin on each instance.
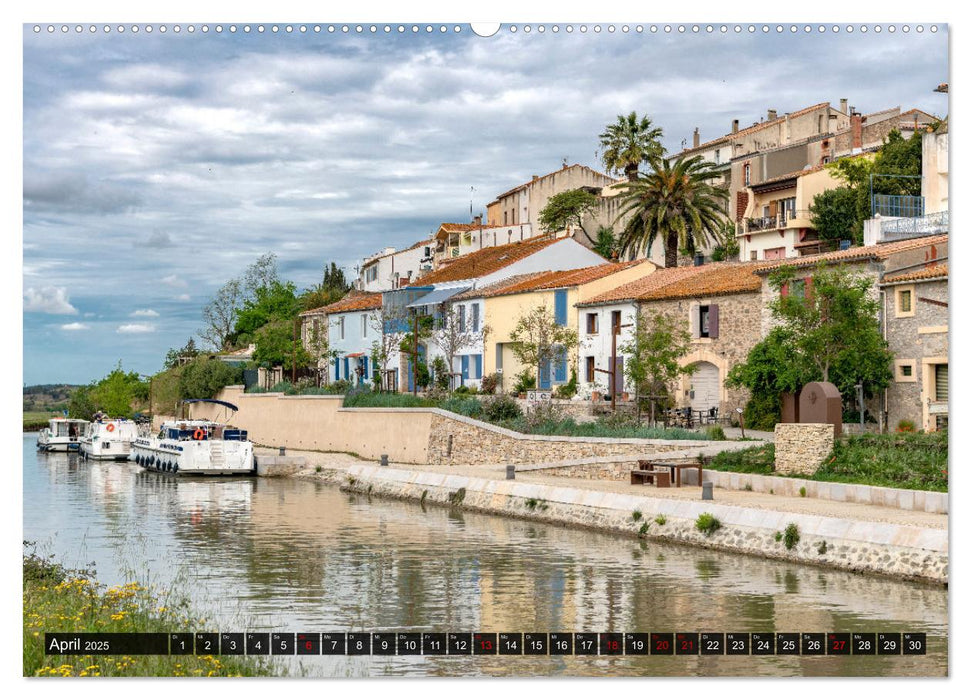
(158, 166)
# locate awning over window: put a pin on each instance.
(437, 296)
(355, 354)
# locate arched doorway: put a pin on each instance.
(705, 387)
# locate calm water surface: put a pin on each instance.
(296, 556)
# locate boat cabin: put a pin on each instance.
(198, 430)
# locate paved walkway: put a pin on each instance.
(806, 506)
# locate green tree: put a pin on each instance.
(203, 378)
(628, 142)
(277, 346)
(827, 332)
(276, 302)
(567, 209)
(220, 313)
(728, 248)
(834, 213)
(82, 405)
(332, 288)
(538, 340)
(653, 358)
(119, 394)
(676, 203)
(176, 356)
(606, 244)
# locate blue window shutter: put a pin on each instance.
(337, 369)
(560, 306)
(365, 367)
(347, 368)
(465, 366)
(544, 375)
(559, 371)
(478, 366)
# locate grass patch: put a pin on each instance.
(38, 420)
(636, 515)
(660, 520)
(372, 399)
(643, 530)
(898, 460)
(707, 524)
(790, 538)
(56, 599)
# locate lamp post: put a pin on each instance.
(741, 419)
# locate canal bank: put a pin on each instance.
(855, 537)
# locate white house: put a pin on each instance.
(392, 269)
(354, 324)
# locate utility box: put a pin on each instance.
(820, 402)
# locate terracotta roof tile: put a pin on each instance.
(874, 252)
(717, 279)
(939, 270)
(496, 288)
(646, 284)
(550, 279)
(486, 261)
(354, 302)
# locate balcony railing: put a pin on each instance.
(914, 226)
(772, 223)
(896, 205)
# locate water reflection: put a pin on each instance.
(298, 556)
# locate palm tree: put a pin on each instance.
(677, 202)
(629, 142)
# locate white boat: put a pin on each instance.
(196, 447)
(61, 435)
(109, 438)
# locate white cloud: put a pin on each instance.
(75, 326)
(183, 297)
(146, 313)
(136, 328)
(174, 281)
(48, 300)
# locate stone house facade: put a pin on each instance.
(916, 328)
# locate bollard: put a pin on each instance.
(510, 471)
(706, 491)
(384, 460)
(283, 451)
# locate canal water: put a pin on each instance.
(297, 556)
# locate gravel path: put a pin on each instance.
(749, 499)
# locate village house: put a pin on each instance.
(871, 261)
(718, 304)
(507, 301)
(916, 329)
(391, 269)
(315, 335)
(353, 325)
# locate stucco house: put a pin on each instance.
(391, 269)
(353, 324)
(916, 328)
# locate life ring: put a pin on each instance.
(110, 427)
(199, 434)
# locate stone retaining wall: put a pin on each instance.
(801, 447)
(901, 551)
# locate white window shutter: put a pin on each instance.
(695, 321)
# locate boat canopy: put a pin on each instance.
(221, 403)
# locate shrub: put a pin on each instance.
(791, 537)
(636, 515)
(283, 387)
(463, 390)
(440, 370)
(465, 406)
(341, 386)
(905, 426)
(501, 408)
(715, 432)
(202, 378)
(778, 536)
(525, 381)
(644, 527)
(802, 491)
(568, 390)
(660, 520)
(821, 549)
(707, 524)
(489, 383)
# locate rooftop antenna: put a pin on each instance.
(564, 161)
(471, 195)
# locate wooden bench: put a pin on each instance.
(660, 478)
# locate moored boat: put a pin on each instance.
(109, 438)
(199, 447)
(61, 435)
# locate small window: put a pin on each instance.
(475, 317)
(615, 322)
(753, 255)
(341, 324)
(748, 174)
(703, 318)
(905, 301)
(591, 371)
(593, 323)
(907, 370)
(461, 319)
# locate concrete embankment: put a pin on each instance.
(878, 547)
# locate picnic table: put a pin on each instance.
(674, 467)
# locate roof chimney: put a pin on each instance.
(843, 104)
(697, 138)
(478, 220)
(856, 126)
(773, 114)
(535, 178)
(734, 126)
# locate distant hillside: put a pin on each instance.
(48, 397)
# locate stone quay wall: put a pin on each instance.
(901, 551)
(800, 448)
